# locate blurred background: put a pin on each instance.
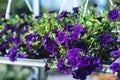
(19, 6)
(8, 72)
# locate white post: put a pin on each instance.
(85, 9)
(111, 2)
(36, 8)
(62, 6)
(29, 6)
(7, 15)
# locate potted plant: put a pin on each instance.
(71, 43)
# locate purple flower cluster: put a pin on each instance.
(77, 29)
(49, 45)
(75, 9)
(30, 38)
(115, 66)
(17, 40)
(25, 27)
(118, 39)
(61, 37)
(73, 57)
(13, 54)
(61, 67)
(61, 15)
(115, 53)
(3, 47)
(81, 73)
(113, 14)
(67, 27)
(87, 65)
(105, 39)
(9, 27)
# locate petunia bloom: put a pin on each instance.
(73, 37)
(105, 39)
(12, 54)
(24, 27)
(75, 9)
(61, 37)
(17, 40)
(115, 66)
(75, 52)
(21, 55)
(118, 39)
(50, 46)
(77, 29)
(61, 67)
(113, 15)
(61, 15)
(115, 53)
(10, 38)
(80, 73)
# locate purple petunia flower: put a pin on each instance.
(61, 67)
(21, 55)
(30, 37)
(77, 29)
(115, 66)
(6, 28)
(73, 62)
(119, 15)
(118, 79)
(47, 68)
(61, 37)
(55, 30)
(75, 9)
(14, 29)
(61, 15)
(12, 54)
(28, 47)
(115, 53)
(104, 39)
(73, 37)
(17, 40)
(4, 45)
(95, 62)
(45, 37)
(84, 61)
(46, 65)
(73, 57)
(24, 27)
(113, 15)
(80, 74)
(67, 43)
(50, 46)
(10, 38)
(75, 52)
(67, 27)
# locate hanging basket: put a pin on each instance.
(80, 42)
